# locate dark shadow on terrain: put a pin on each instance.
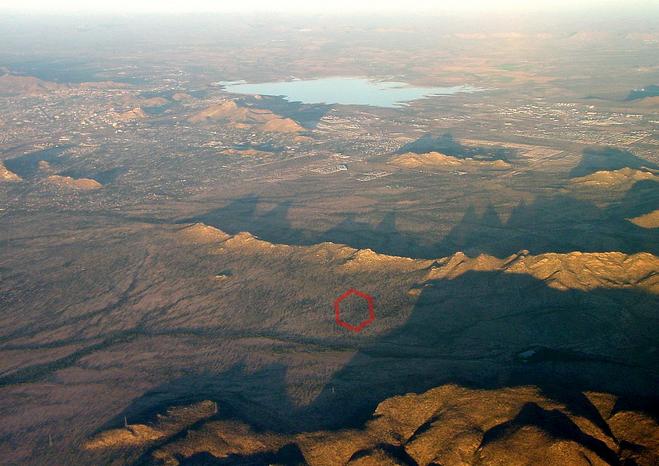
(473, 331)
(383, 237)
(273, 225)
(104, 177)
(558, 223)
(258, 398)
(27, 166)
(289, 455)
(648, 91)
(609, 158)
(255, 397)
(265, 147)
(67, 71)
(554, 424)
(307, 115)
(481, 330)
(394, 452)
(445, 144)
(158, 110)
(642, 198)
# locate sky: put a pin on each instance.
(312, 6)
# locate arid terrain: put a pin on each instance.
(171, 252)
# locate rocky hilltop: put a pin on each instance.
(575, 270)
(439, 160)
(623, 178)
(7, 175)
(83, 184)
(241, 116)
(649, 220)
(448, 425)
(14, 85)
(136, 113)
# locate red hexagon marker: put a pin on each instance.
(371, 310)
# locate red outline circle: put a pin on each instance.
(371, 310)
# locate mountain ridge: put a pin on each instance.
(439, 160)
(449, 425)
(563, 271)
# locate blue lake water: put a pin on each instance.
(344, 90)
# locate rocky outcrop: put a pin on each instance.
(82, 184)
(613, 179)
(201, 234)
(649, 220)
(241, 116)
(563, 271)
(439, 160)
(7, 175)
(282, 125)
(227, 110)
(575, 270)
(135, 114)
(448, 425)
(166, 425)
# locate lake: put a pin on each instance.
(344, 90)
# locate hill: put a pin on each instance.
(610, 159)
(82, 184)
(26, 85)
(135, 114)
(623, 178)
(446, 144)
(447, 425)
(439, 160)
(649, 220)
(7, 175)
(647, 102)
(575, 270)
(238, 115)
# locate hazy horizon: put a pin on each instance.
(307, 7)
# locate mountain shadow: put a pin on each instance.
(608, 158)
(104, 176)
(27, 166)
(241, 215)
(236, 390)
(642, 198)
(289, 455)
(307, 115)
(446, 144)
(557, 223)
(648, 91)
(492, 330)
(382, 237)
(554, 223)
(484, 330)
(555, 424)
